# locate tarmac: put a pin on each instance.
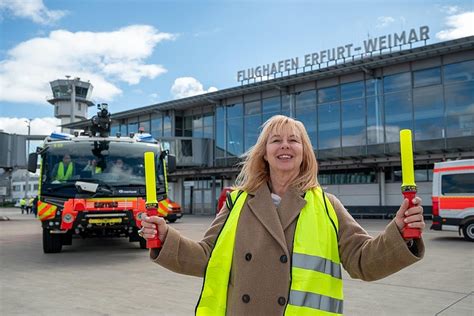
(115, 277)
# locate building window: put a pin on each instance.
(114, 129)
(352, 90)
(252, 122)
(375, 115)
(329, 126)
(373, 87)
(306, 112)
(208, 125)
(459, 109)
(397, 82)
(328, 94)
(426, 77)
(156, 125)
(167, 125)
(235, 129)
(429, 113)
(133, 125)
(197, 126)
(286, 105)
(270, 107)
(353, 126)
(398, 114)
(347, 177)
(463, 71)
(144, 122)
(220, 132)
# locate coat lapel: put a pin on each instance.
(262, 206)
(290, 207)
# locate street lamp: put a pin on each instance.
(28, 121)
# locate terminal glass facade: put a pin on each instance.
(350, 119)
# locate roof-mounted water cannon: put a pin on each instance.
(101, 121)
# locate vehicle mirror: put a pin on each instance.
(32, 162)
(171, 163)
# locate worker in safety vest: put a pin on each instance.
(279, 244)
(64, 170)
(29, 207)
(22, 205)
(92, 167)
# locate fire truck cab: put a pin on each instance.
(453, 197)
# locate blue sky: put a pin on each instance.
(142, 52)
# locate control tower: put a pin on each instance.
(71, 98)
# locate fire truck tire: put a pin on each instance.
(468, 231)
(52, 243)
(172, 220)
(142, 242)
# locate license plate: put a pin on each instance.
(101, 221)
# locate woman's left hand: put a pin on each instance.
(413, 217)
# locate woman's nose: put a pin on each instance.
(285, 144)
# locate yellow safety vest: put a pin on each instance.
(61, 176)
(316, 278)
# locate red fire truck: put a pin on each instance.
(93, 184)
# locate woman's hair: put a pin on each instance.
(255, 169)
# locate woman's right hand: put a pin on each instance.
(149, 225)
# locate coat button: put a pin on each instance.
(281, 300)
(245, 298)
(248, 256)
(284, 259)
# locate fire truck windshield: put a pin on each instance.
(111, 163)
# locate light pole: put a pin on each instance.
(27, 153)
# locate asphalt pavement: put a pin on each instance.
(115, 277)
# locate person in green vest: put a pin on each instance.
(64, 170)
(279, 244)
(23, 205)
(92, 167)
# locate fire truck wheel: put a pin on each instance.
(142, 242)
(52, 243)
(468, 231)
(172, 220)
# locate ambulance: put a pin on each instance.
(453, 197)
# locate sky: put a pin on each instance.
(143, 52)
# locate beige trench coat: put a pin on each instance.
(260, 274)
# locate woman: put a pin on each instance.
(280, 248)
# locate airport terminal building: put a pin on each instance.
(353, 107)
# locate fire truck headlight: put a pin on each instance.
(68, 218)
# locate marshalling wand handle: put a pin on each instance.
(408, 178)
(151, 204)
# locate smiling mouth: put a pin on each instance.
(284, 157)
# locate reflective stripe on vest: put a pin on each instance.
(316, 283)
(61, 176)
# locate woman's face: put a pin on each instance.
(284, 151)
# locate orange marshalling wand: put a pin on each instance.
(408, 178)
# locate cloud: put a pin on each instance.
(188, 86)
(449, 9)
(103, 58)
(38, 126)
(32, 9)
(459, 25)
(383, 21)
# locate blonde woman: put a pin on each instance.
(278, 244)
